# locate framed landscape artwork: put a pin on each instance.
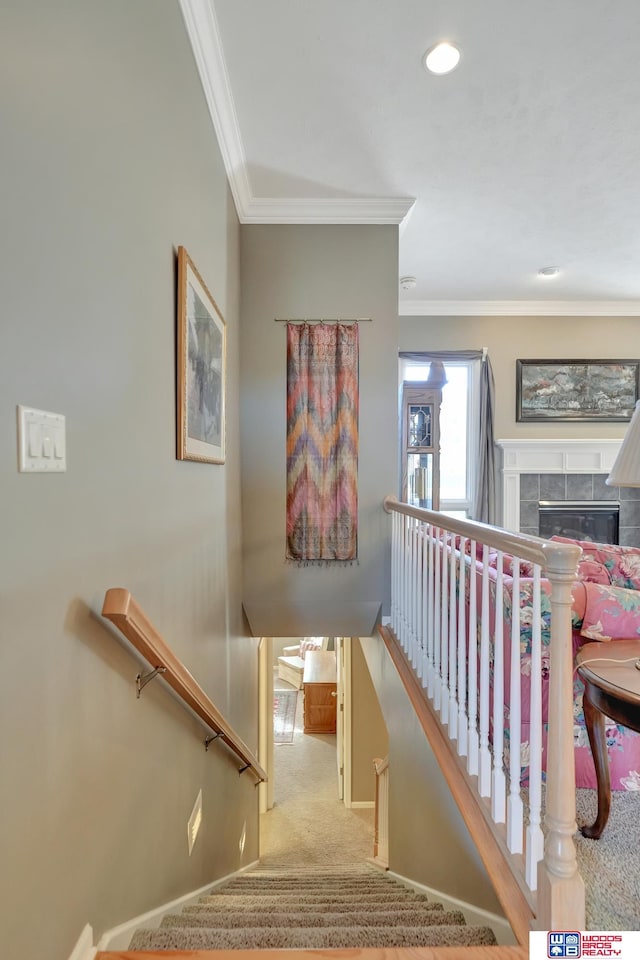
(201, 368)
(588, 390)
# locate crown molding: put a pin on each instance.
(519, 308)
(204, 35)
(327, 210)
(202, 29)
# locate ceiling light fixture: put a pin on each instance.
(408, 283)
(548, 271)
(442, 58)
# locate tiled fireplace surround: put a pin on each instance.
(533, 470)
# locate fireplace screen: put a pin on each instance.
(596, 520)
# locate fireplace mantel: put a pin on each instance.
(547, 456)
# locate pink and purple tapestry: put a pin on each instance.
(322, 442)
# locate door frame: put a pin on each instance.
(265, 720)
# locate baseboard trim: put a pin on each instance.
(363, 804)
(473, 915)
(84, 948)
(118, 938)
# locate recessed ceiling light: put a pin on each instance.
(548, 271)
(407, 283)
(442, 58)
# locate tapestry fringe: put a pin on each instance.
(322, 563)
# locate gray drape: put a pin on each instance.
(484, 501)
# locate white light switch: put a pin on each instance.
(35, 443)
(41, 441)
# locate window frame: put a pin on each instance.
(456, 505)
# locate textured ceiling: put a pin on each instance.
(525, 156)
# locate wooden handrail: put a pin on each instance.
(122, 610)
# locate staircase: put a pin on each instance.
(312, 909)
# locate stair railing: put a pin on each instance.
(122, 610)
(381, 813)
(448, 604)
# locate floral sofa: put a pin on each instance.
(606, 607)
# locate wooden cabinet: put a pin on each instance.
(320, 691)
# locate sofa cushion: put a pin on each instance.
(593, 571)
(610, 613)
(621, 563)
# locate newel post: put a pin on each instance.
(561, 904)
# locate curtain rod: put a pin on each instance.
(319, 320)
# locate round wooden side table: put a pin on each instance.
(611, 689)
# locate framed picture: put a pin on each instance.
(586, 390)
(201, 368)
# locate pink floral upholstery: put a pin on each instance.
(621, 563)
(606, 607)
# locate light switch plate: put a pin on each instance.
(42, 446)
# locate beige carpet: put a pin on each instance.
(309, 825)
(610, 866)
(286, 910)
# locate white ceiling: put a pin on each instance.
(527, 155)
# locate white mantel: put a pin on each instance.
(547, 456)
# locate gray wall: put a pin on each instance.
(428, 839)
(369, 737)
(512, 338)
(108, 163)
(331, 272)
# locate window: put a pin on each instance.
(458, 428)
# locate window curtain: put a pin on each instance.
(322, 442)
(484, 500)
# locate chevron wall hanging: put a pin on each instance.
(322, 442)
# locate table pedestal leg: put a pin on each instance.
(594, 721)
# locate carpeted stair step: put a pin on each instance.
(267, 900)
(250, 880)
(231, 921)
(300, 938)
(284, 888)
(312, 909)
(211, 903)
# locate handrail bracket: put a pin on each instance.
(208, 740)
(143, 679)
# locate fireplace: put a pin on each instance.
(576, 470)
(597, 520)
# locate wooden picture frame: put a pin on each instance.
(201, 373)
(587, 390)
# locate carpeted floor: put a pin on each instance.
(309, 825)
(610, 866)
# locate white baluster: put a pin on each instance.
(453, 636)
(431, 603)
(437, 616)
(515, 806)
(403, 584)
(472, 686)
(462, 655)
(395, 524)
(411, 584)
(484, 780)
(426, 577)
(535, 839)
(444, 637)
(420, 593)
(417, 590)
(498, 799)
